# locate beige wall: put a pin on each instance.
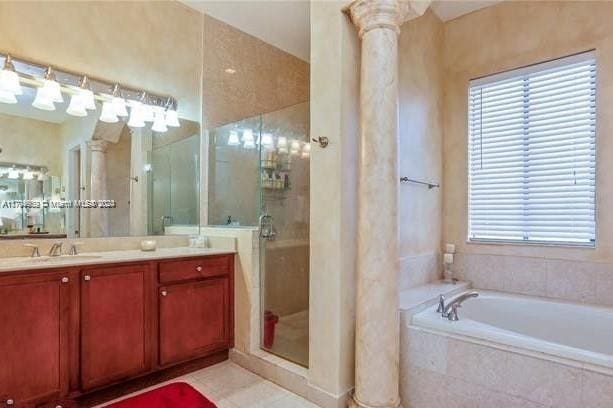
(420, 149)
(266, 78)
(156, 46)
(507, 36)
(29, 141)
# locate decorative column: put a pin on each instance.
(377, 315)
(98, 218)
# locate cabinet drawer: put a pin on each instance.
(182, 270)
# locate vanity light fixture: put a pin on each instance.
(86, 94)
(172, 118)
(118, 102)
(9, 80)
(233, 138)
(76, 107)
(267, 141)
(7, 97)
(295, 147)
(136, 116)
(159, 123)
(48, 93)
(109, 113)
(147, 167)
(306, 151)
(282, 144)
(248, 140)
(13, 173)
(28, 174)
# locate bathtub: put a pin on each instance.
(583, 334)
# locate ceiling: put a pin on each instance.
(449, 9)
(286, 23)
(282, 23)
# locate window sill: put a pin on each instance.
(531, 243)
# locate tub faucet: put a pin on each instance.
(450, 311)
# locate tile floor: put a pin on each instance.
(231, 386)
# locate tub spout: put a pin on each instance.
(451, 309)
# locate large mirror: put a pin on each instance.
(52, 163)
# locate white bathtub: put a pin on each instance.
(564, 330)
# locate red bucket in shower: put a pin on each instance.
(270, 321)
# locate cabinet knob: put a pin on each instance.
(164, 293)
(65, 279)
(199, 268)
(10, 402)
(87, 278)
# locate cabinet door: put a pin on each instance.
(194, 319)
(34, 338)
(114, 324)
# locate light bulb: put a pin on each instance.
(233, 138)
(77, 106)
(28, 175)
(7, 97)
(248, 136)
(172, 118)
(108, 114)
(282, 142)
(9, 79)
(267, 141)
(120, 106)
(136, 116)
(159, 124)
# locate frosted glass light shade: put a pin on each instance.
(249, 144)
(248, 136)
(306, 150)
(136, 117)
(295, 147)
(267, 141)
(147, 112)
(7, 97)
(172, 118)
(77, 106)
(108, 114)
(13, 173)
(52, 90)
(233, 138)
(43, 101)
(159, 123)
(282, 142)
(120, 106)
(9, 82)
(88, 99)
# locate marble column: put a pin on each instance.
(98, 218)
(377, 314)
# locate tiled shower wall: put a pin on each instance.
(579, 281)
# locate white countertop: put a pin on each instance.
(95, 258)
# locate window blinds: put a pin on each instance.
(532, 153)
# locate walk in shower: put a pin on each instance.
(259, 176)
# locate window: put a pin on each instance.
(532, 154)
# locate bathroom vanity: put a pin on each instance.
(77, 325)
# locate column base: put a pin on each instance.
(355, 403)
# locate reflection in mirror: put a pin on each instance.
(50, 156)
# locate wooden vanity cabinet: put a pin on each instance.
(68, 333)
(115, 329)
(34, 337)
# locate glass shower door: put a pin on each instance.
(284, 233)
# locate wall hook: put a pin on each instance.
(323, 141)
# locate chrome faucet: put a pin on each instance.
(450, 311)
(56, 249)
